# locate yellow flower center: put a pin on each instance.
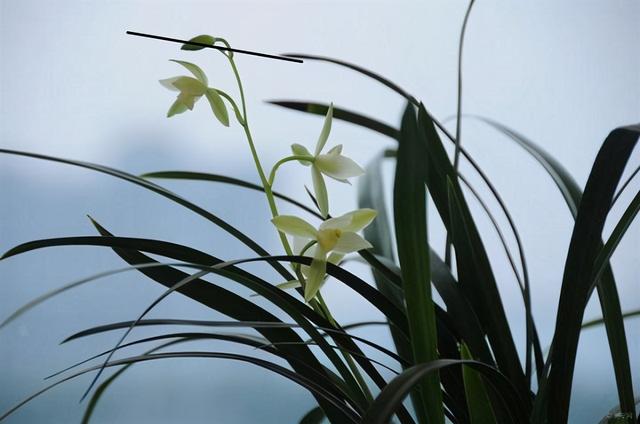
(328, 238)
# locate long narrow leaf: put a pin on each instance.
(346, 414)
(474, 269)
(248, 241)
(410, 217)
(202, 176)
(393, 395)
(585, 246)
(607, 292)
(480, 411)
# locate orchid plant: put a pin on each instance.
(454, 355)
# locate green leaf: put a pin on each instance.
(346, 414)
(42, 298)
(392, 396)
(532, 339)
(568, 187)
(602, 260)
(600, 321)
(606, 285)
(202, 176)
(124, 246)
(360, 70)
(230, 304)
(553, 401)
(202, 39)
(248, 241)
(173, 288)
(194, 69)
(371, 196)
(257, 342)
(93, 402)
(409, 205)
(217, 106)
(314, 416)
(248, 340)
(475, 274)
(339, 113)
(478, 402)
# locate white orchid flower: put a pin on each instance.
(332, 164)
(301, 248)
(191, 90)
(335, 235)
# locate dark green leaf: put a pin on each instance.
(410, 216)
(576, 286)
(474, 269)
(315, 416)
(248, 241)
(202, 176)
(392, 396)
(607, 292)
(600, 321)
(358, 69)
(346, 414)
(339, 113)
(480, 411)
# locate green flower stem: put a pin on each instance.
(272, 175)
(265, 183)
(350, 362)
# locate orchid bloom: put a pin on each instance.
(332, 164)
(334, 236)
(191, 90)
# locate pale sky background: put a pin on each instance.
(72, 84)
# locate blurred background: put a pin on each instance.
(72, 84)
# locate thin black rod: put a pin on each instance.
(193, 43)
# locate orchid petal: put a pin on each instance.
(326, 129)
(217, 106)
(317, 271)
(335, 150)
(299, 243)
(188, 100)
(338, 166)
(360, 219)
(194, 69)
(351, 221)
(335, 258)
(168, 83)
(294, 226)
(176, 108)
(351, 242)
(320, 190)
(300, 150)
(189, 85)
